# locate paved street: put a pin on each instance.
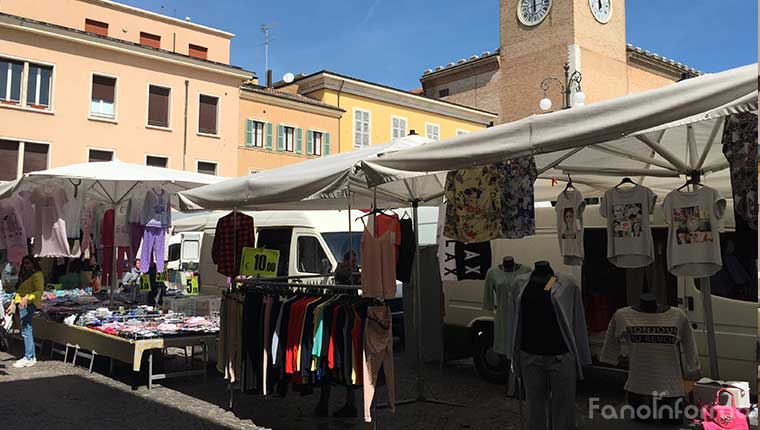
(52, 395)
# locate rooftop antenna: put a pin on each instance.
(266, 29)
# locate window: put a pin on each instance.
(207, 114)
(98, 155)
(197, 51)
(173, 252)
(97, 27)
(151, 40)
(158, 106)
(398, 127)
(11, 75)
(433, 131)
(207, 167)
(277, 239)
(461, 132)
(33, 157)
(156, 161)
(316, 148)
(289, 133)
(103, 100)
(311, 257)
(443, 93)
(38, 86)
(254, 133)
(361, 128)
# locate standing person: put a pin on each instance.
(29, 289)
(347, 271)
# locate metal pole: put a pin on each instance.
(707, 308)
(114, 281)
(418, 303)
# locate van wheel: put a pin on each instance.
(491, 366)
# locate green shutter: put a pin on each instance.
(280, 137)
(299, 141)
(310, 142)
(326, 144)
(269, 136)
(248, 132)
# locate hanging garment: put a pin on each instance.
(693, 218)
(88, 224)
(629, 237)
(473, 209)
(378, 266)
(153, 245)
(156, 209)
(27, 207)
(740, 149)
(378, 353)
(121, 221)
(234, 231)
(405, 259)
(655, 344)
(498, 297)
(570, 207)
(518, 213)
(566, 298)
(390, 224)
(122, 254)
(136, 233)
(136, 207)
(13, 232)
(50, 231)
(97, 220)
(73, 211)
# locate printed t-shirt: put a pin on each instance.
(629, 237)
(570, 207)
(50, 238)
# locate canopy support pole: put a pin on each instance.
(556, 162)
(707, 308)
(717, 166)
(601, 171)
(710, 142)
(646, 160)
(691, 140)
(664, 153)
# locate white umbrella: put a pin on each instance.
(111, 182)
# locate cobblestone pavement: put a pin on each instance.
(52, 395)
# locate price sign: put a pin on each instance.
(259, 262)
(192, 285)
(163, 276)
(144, 283)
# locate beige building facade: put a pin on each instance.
(93, 80)
(508, 80)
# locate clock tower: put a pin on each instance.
(539, 36)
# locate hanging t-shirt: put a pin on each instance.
(498, 297)
(629, 237)
(50, 232)
(73, 212)
(121, 221)
(390, 224)
(156, 209)
(655, 342)
(12, 228)
(694, 234)
(518, 212)
(570, 207)
(136, 207)
(473, 208)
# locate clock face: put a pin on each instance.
(532, 12)
(601, 9)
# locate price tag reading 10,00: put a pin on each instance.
(259, 262)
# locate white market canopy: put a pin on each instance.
(109, 182)
(318, 184)
(656, 136)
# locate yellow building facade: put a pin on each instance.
(377, 114)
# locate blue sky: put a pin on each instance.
(393, 41)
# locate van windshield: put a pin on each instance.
(338, 244)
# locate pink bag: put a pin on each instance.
(720, 417)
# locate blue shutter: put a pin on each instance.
(326, 143)
(248, 132)
(269, 136)
(280, 137)
(309, 142)
(299, 141)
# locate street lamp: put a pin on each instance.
(571, 82)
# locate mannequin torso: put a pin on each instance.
(540, 331)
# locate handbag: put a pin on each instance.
(723, 417)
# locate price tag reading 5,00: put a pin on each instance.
(259, 262)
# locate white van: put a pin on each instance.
(606, 288)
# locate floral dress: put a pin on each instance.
(740, 149)
(518, 217)
(473, 209)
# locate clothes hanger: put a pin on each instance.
(626, 180)
(406, 215)
(692, 181)
(569, 185)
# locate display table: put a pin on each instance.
(121, 349)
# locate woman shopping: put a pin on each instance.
(28, 296)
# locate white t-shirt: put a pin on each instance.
(694, 234)
(629, 237)
(570, 207)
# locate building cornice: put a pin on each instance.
(658, 64)
(13, 22)
(344, 84)
(287, 103)
(465, 66)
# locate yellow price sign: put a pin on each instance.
(259, 262)
(144, 283)
(163, 276)
(192, 285)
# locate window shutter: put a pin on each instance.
(103, 88)
(310, 142)
(248, 132)
(269, 136)
(280, 137)
(326, 142)
(299, 141)
(158, 106)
